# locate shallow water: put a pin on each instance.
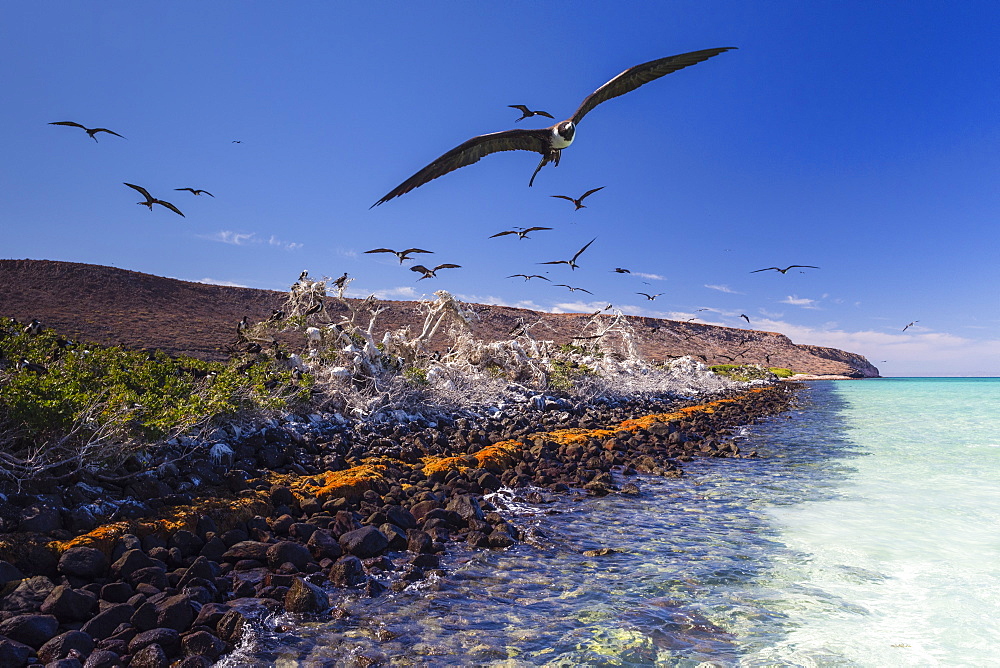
(864, 535)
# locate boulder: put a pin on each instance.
(28, 596)
(129, 563)
(347, 571)
(103, 624)
(32, 630)
(466, 506)
(322, 545)
(60, 646)
(364, 542)
(69, 604)
(202, 643)
(247, 549)
(168, 639)
(83, 562)
(287, 551)
(305, 597)
(151, 656)
(13, 653)
(102, 658)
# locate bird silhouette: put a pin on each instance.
(649, 297)
(90, 131)
(910, 325)
(578, 201)
(150, 200)
(196, 191)
(743, 315)
(571, 288)
(572, 263)
(528, 113)
(785, 270)
(550, 141)
(528, 277)
(402, 255)
(432, 273)
(340, 282)
(521, 232)
(619, 270)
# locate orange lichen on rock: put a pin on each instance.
(434, 464)
(499, 455)
(350, 483)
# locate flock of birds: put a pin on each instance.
(548, 141)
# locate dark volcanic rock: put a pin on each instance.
(28, 596)
(60, 646)
(202, 643)
(32, 630)
(287, 551)
(104, 623)
(129, 563)
(305, 597)
(247, 549)
(13, 653)
(102, 658)
(151, 656)
(83, 562)
(69, 604)
(168, 639)
(348, 571)
(323, 545)
(364, 542)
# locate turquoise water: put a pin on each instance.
(866, 534)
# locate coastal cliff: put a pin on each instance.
(135, 310)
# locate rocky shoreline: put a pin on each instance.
(173, 567)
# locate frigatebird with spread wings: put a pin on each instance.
(89, 131)
(572, 263)
(150, 200)
(578, 201)
(402, 255)
(550, 141)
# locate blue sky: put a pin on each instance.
(859, 137)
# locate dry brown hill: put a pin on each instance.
(115, 306)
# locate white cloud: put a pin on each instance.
(652, 277)
(247, 238)
(804, 302)
(723, 288)
(212, 281)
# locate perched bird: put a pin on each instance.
(744, 316)
(33, 328)
(196, 191)
(521, 232)
(649, 297)
(276, 315)
(572, 263)
(32, 366)
(528, 113)
(253, 347)
(785, 270)
(89, 131)
(550, 141)
(315, 308)
(572, 289)
(432, 273)
(578, 201)
(150, 200)
(304, 275)
(402, 255)
(619, 270)
(242, 327)
(528, 277)
(910, 325)
(340, 282)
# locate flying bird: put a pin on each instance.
(572, 263)
(197, 191)
(578, 201)
(89, 131)
(910, 325)
(528, 277)
(402, 255)
(572, 289)
(619, 270)
(432, 273)
(550, 141)
(521, 232)
(785, 270)
(649, 297)
(150, 200)
(744, 316)
(528, 113)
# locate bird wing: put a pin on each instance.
(532, 229)
(191, 189)
(556, 262)
(587, 291)
(500, 234)
(471, 151)
(565, 197)
(560, 285)
(804, 266)
(636, 76)
(381, 250)
(142, 191)
(765, 269)
(644, 295)
(70, 123)
(110, 132)
(448, 266)
(207, 193)
(520, 107)
(524, 276)
(580, 252)
(590, 192)
(420, 268)
(169, 206)
(545, 113)
(415, 250)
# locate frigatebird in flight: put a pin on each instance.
(910, 325)
(150, 200)
(528, 277)
(785, 270)
(649, 297)
(572, 263)
(619, 270)
(521, 232)
(744, 316)
(431, 273)
(572, 289)
(578, 201)
(89, 131)
(196, 191)
(402, 255)
(552, 140)
(528, 113)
